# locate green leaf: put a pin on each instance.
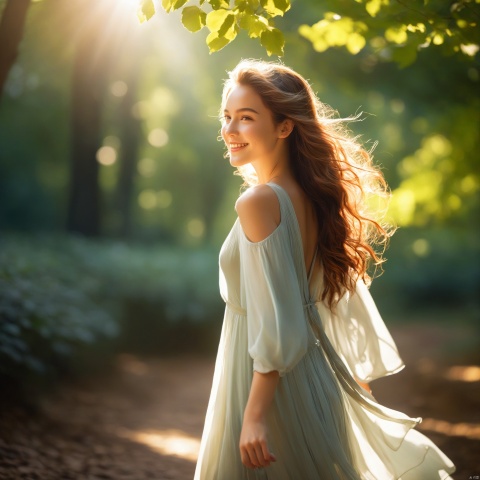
(217, 4)
(167, 5)
(396, 34)
(247, 5)
(176, 4)
(146, 10)
(216, 19)
(255, 25)
(273, 41)
(374, 6)
(355, 43)
(228, 28)
(276, 7)
(193, 18)
(215, 42)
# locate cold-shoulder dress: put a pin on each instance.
(322, 425)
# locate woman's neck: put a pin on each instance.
(278, 170)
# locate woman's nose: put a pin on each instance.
(231, 128)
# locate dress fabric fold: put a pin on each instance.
(322, 425)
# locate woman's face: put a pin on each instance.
(248, 128)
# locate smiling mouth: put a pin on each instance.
(237, 146)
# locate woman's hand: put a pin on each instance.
(254, 450)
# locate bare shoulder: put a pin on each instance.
(259, 212)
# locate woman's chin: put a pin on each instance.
(237, 162)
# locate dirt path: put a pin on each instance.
(144, 421)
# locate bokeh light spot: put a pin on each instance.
(146, 167)
(454, 202)
(421, 247)
(158, 137)
(419, 125)
(119, 88)
(439, 145)
(469, 373)
(397, 106)
(147, 199)
(106, 155)
(196, 227)
(468, 184)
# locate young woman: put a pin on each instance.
(302, 337)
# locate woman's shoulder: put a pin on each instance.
(258, 210)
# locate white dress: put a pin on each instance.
(321, 425)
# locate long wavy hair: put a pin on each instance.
(333, 169)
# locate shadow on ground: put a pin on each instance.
(144, 420)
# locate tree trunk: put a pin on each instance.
(88, 89)
(11, 33)
(130, 135)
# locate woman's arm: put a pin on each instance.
(253, 439)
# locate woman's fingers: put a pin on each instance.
(265, 454)
(256, 455)
(246, 460)
(254, 458)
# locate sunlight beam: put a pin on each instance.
(463, 429)
(166, 442)
(468, 373)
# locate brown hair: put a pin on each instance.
(333, 169)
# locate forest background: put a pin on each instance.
(115, 195)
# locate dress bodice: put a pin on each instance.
(229, 265)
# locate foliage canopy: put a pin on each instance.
(392, 28)
(225, 21)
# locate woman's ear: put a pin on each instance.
(286, 128)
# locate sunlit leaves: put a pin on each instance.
(353, 25)
(355, 43)
(255, 25)
(434, 185)
(406, 31)
(374, 6)
(419, 27)
(223, 29)
(215, 42)
(396, 34)
(216, 4)
(146, 10)
(193, 18)
(170, 5)
(273, 41)
(335, 31)
(217, 18)
(275, 7)
(224, 21)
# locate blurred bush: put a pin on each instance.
(68, 304)
(431, 269)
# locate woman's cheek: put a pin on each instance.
(222, 133)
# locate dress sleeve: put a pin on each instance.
(359, 335)
(277, 328)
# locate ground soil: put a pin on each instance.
(144, 420)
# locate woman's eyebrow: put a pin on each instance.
(244, 109)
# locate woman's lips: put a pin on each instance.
(235, 147)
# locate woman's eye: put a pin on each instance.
(226, 118)
(245, 118)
